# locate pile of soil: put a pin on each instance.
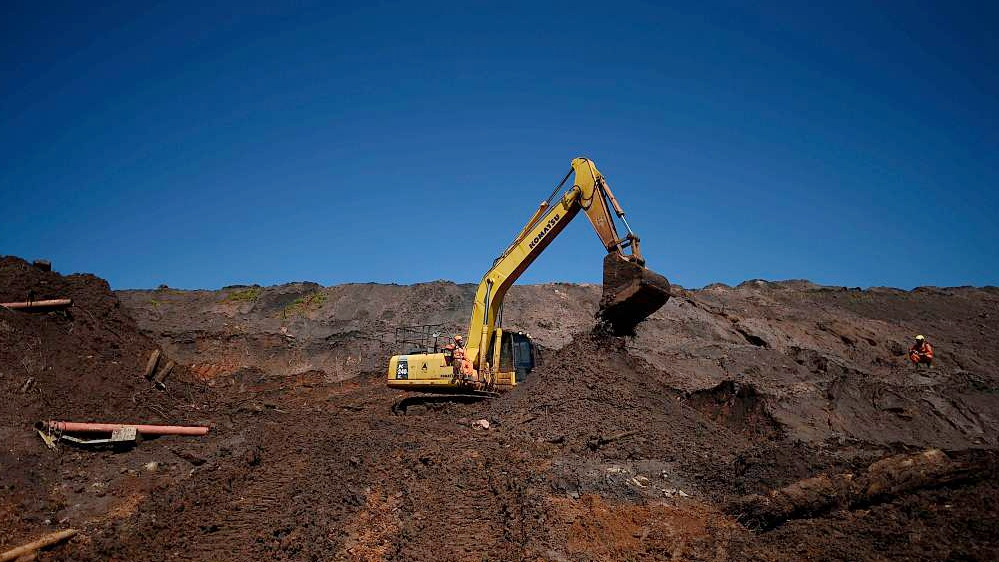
(614, 449)
(81, 364)
(592, 459)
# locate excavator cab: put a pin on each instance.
(518, 355)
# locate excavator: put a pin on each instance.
(491, 360)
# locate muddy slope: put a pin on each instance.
(825, 362)
(614, 449)
(343, 330)
(83, 364)
(592, 460)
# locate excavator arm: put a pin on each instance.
(492, 360)
(631, 292)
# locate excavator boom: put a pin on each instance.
(631, 291)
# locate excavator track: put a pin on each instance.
(401, 407)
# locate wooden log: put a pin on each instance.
(154, 358)
(882, 481)
(47, 540)
(163, 374)
(39, 306)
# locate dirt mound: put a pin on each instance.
(593, 394)
(614, 449)
(81, 364)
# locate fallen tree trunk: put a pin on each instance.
(154, 358)
(39, 306)
(31, 547)
(882, 481)
(161, 376)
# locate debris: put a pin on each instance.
(639, 481)
(883, 480)
(27, 385)
(480, 424)
(154, 358)
(597, 442)
(50, 440)
(675, 492)
(120, 436)
(163, 374)
(39, 306)
(31, 547)
(143, 429)
(151, 466)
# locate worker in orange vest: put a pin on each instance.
(462, 365)
(921, 352)
(458, 355)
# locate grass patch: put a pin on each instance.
(251, 294)
(305, 304)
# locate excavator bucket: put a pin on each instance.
(631, 294)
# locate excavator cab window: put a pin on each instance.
(518, 354)
(506, 353)
(523, 354)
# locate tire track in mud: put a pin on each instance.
(470, 498)
(257, 495)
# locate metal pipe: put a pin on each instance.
(39, 306)
(144, 429)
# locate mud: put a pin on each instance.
(631, 293)
(615, 449)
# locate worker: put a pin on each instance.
(921, 352)
(458, 355)
(461, 363)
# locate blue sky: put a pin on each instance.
(847, 143)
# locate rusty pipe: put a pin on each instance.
(39, 306)
(143, 429)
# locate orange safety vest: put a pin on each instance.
(922, 353)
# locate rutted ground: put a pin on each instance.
(616, 449)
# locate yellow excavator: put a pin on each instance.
(491, 360)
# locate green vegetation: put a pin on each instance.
(304, 305)
(251, 294)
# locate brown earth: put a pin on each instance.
(615, 449)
